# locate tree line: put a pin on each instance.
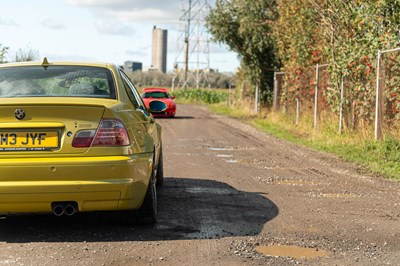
(159, 79)
(292, 35)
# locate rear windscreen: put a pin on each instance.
(56, 81)
(155, 94)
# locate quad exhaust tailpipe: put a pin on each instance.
(61, 208)
(69, 209)
(58, 210)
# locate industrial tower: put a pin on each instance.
(159, 49)
(192, 62)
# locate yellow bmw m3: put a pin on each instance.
(76, 137)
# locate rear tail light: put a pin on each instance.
(111, 132)
(83, 138)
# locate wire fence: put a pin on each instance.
(352, 101)
(389, 82)
(302, 93)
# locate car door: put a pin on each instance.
(147, 131)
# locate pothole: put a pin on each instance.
(344, 195)
(288, 181)
(295, 182)
(220, 191)
(292, 252)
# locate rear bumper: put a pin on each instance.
(94, 183)
(166, 113)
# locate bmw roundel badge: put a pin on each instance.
(19, 114)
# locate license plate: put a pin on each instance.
(28, 140)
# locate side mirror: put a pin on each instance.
(172, 97)
(157, 106)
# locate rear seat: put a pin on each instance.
(83, 89)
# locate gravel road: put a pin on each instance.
(232, 196)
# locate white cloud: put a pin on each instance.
(7, 22)
(134, 10)
(137, 53)
(113, 27)
(52, 24)
(131, 4)
(148, 14)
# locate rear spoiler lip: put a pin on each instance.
(60, 101)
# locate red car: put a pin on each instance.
(160, 98)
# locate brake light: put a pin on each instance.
(111, 132)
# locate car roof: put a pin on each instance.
(155, 89)
(47, 63)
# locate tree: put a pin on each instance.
(246, 27)
(3, 52)
(27, 54)
(299, 41)
(300, 46)
(354, 31)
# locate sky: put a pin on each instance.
(112, 31)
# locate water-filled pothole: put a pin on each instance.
(220, 149)
(292, 251)
(224, 155)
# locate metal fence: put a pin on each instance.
(357, 101)
(301, 93)
(387, 118)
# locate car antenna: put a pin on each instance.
(45, 63)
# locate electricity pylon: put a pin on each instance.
(192, 61)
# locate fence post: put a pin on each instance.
(297, 111)
(379, 96)
(316, 96)
(341, 105)
(229, 94)
(275, 104)
(257, 99)
(173, 83)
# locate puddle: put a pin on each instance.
(230, 149)
(224, 156)
(221, 149)
(292, 251)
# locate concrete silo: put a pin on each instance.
(159, 49)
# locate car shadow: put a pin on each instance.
(188, 209)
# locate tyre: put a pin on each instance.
(160, 170)
(147, 213)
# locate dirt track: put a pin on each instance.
(229, 190)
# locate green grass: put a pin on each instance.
(208, 96)
(380, 157)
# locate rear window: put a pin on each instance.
(155, 94)
(56, 81)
